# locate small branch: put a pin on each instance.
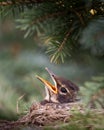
(19, 2)
(62, 45)
(65, 39)
(45, 17)
(79, 16)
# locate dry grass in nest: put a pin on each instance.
(43, 115)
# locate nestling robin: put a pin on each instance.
(63, 90)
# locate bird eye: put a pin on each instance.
(63, 90)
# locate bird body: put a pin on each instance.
(63, 90)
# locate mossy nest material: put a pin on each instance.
(45, 115)
(51, 113)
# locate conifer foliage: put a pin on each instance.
(61, 24)
(66, 28)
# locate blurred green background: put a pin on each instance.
(21, 59)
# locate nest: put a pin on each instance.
(43, 115)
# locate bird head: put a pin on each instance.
(63, 90)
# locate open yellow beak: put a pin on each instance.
(48, 84)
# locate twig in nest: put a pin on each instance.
(17, 104)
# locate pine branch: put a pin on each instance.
(48, 16)
(59, 52)
(20, 2)
(65, 39)
(51, 19)
(79, 15)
